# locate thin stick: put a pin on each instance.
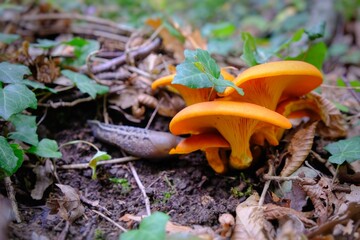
(65, 104)
(110, 220)
(154, 114)
(267, 184)
(11, 195)
(142, 188)
(86, 165)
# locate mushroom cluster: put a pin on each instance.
(219, 123)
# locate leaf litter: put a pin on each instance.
(320, 205)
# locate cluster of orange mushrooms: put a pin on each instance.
(219, 123)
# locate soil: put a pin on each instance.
(186, 188)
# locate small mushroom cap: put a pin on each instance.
(200, 142)
(303, 76)
(194, 119)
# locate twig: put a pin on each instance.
(325, 162)
(11, 195)
(267, 183)
(142, 189)
(110, 220)
(65, 104)
(93, 204)
(86, 165)
(352, 92)
(136, 54)
(154, 114)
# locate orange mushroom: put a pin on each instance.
(268, 84)
(235, 121)
(190, 95)
(213, 144)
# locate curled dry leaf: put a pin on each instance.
(299, 148)
(69, 206)
(44, 178)
(272, 211)
(227, 222)
(319, 195)
(290, 227)
(250, 221)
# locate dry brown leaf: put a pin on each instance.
(227, 222)
(250, 221)
(299, 148)
(354, 195)
(170, 42)
(69, 206)
(195, 40)
(290, 227)
(272, 211)
(44, 178)
(319, 195)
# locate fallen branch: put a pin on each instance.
(65, 104)
(136, 54)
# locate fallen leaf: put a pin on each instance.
(290, 227)
(44, 178)
(69, 206)
(227, 222)
(354, 195)
(299, 148)
(250, 221)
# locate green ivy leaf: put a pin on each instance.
(82, 49)
(199, 70)
(315, 55)
(151, 228)
(45, 43)
(344, 150)
(25, 129)
(12, 73)
(99, 156)
(8, 38)
(317, 31)
(85, 84)
(15, 98)
(11, 157)
(249, 49)
(37, 85)
(46, 148)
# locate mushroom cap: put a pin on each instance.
(194, 119)
(235, 121)
(302, 77)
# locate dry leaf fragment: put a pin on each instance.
(69, 206)
(44, 178)
(354, 195)
(250, 221)
(299, 148)
(227, 222)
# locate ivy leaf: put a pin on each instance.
(315, 55)
(46, 148)
(12, 73)
(11, 157)
(249, 49)
(344, 150)
(38, 85)
(25, 129)
(99, 156)
(318, 31)
(15, 98)
(199, 70)
(85, 84)
(151, 228)
(82, 48)
(45, 43)
(8, 38)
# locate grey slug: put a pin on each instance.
(136, 141)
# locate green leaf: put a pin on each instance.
(15, 98)
(219, 30)
(99, 156)
(249, 49)
(151, 228)
(82, 49)
(173, 31)
(315, 55)
(25, 129)
(344, 150)
(85, 84)
(318, 31)
(12, 73)
(46, 148)
(11, 157)
(37, 85)
(8, 38)
(199, 70)
(45, 43)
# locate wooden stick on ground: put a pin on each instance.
(11, 195)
